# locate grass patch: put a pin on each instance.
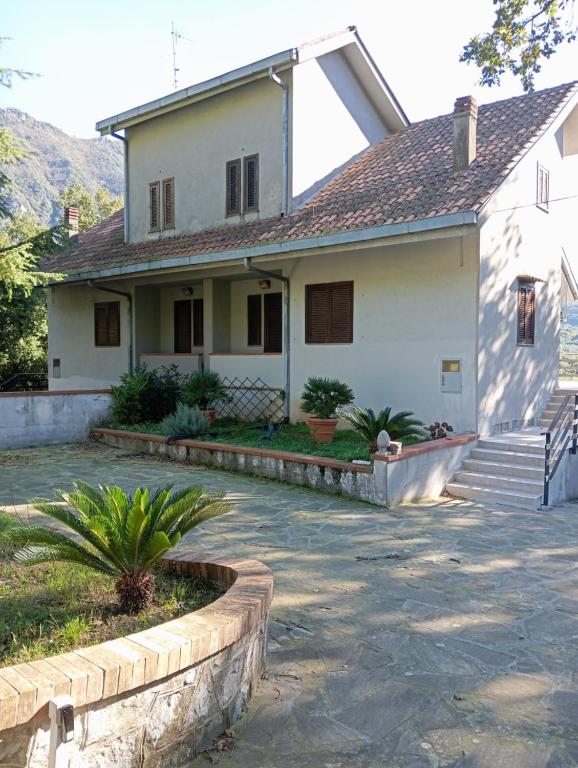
(56, 607)
(292, 438)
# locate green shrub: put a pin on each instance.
(366, 423)
(114, 533)
(185, 421)
(146, 395)
(204, 389)
(322, 397)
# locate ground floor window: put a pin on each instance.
(329, 313)
(526, 313)
(107, 324)
(182, 325)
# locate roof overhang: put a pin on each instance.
(447, 225)
(347, 41)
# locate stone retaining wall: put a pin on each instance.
(154, 698)
(420, 471)
(41, 418)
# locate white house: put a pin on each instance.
(421, 263)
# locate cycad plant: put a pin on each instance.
(366, 423)
(115, 533)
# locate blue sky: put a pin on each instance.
(98, 58)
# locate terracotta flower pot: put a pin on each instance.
(209, 415)
(322, 430)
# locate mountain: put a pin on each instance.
(55, 161)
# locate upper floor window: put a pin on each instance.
(329, 313)
(242, 185)
(161, 205)
(526, 313)
(542, 188)
(107, 324)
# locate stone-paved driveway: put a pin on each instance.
(431, 635)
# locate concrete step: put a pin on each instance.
(508, 457)
(499, 482)
(511, 446)
(507, 470)
(507, 498)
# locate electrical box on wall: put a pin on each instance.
(451, 376)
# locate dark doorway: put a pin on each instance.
(273, 306)
(182, 318)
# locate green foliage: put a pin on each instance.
(91, 208)
(368, 424)
(146, 395)
(322, 397)
(185, 421)
(523, 34)
(121, 535)
(204, 389)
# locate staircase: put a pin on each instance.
(509, 468)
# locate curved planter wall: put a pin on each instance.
(153, 698)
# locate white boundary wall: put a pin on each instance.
(40, 418)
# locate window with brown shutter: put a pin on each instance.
(526, 313)
(251, 183)
(273, 322)
(542, 187)
(233, 187)
(198, 323)
(329, 313)
(254, 321)
(182, 325)
(107, 324)
(168, 203)
(154, 206)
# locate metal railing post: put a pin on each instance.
(575, 426)
(548, 449)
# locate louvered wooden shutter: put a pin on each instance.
(107, 324)
(168, 204)
(543, 188)
(526, 314)
(329, 313)
(251, 186)
(182, 326)
(233, 199)
(154, 206)
(198, 323)
(254, 321)
(273, 322)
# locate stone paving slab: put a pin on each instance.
(430, 636)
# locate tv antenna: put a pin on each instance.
(176, 36)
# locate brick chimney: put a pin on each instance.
(465, 132)
(71, 220)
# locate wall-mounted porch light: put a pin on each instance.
(264, 284)
(188, 291)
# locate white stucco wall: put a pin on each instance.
(518, 238)
(414, 305)
(193, 145)
(328, 129)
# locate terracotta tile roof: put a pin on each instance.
(405, 177)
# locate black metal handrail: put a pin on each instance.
(560, 425)
(25, 382)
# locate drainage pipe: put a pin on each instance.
(125, 155)
(128, 297)
(284, 139)
(286, 343)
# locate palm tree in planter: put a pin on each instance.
(204, 389)
(121, 535)
(321, 398)
(399, 426)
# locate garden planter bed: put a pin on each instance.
(153, 698)
(420, 471)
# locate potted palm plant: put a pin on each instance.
(205, 390)
(112, 532)
(321, 398)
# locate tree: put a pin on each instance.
(524, 33)
(114, 533)
(91, 209)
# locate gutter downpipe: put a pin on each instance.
(284, 140)
(286, 342)
(125, 156)
(128, 296)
